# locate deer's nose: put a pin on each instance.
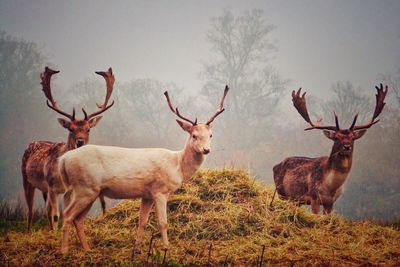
(347, 147)
(80, 142)
(206, 151)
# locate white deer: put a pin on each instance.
(151, 174)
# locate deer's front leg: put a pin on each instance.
(314, 206)
(328, 208)
(145, 209)
(161, 212)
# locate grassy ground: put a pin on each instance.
(221, 217)
(13, 218)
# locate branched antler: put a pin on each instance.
(220, 106)
(46, 80)
(110, 79)
(380, 98)
(219, 110)
(176, 111)
(299, 102)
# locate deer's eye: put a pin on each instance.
(210, 135)
(88, 130)
(194, 136)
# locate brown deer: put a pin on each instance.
(39, 163)
(151, 174)
(318, 181)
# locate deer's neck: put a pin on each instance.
(190, 161)
(338, 162)
(70, 144)
(338, 168)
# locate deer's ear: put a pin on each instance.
(329, 134)
(64, 123)
(359, 134)
(185, 126)
(93, 121)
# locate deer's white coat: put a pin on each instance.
(151, 174)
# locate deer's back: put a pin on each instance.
(296, 177)
(39, 164)
(98, 164)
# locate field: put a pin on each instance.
(219, 218)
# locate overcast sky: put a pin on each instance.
(319, 42)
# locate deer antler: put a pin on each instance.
(220, 106)
(176, 111)
(299, 102)
(46, 79)
(110, 79)
(380, 98)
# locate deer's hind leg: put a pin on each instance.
(52, 208)
(80, 227)
(103, 204)
(79, 204)
(29, 191)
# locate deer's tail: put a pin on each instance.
(63, 173)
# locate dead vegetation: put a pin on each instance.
(221, 217)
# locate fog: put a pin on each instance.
(330, 48)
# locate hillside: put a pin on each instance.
(219, 217)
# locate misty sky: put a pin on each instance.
(319, 42)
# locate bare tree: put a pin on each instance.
(141, 106)
(146, 105)
(242, 49)
(20, 93)
(347, 102)
(82, 93)
(393, 81)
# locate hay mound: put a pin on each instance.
(219, 217)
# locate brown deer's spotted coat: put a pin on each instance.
(40, 160)
(319, 181)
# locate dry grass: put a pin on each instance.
(224, 212)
